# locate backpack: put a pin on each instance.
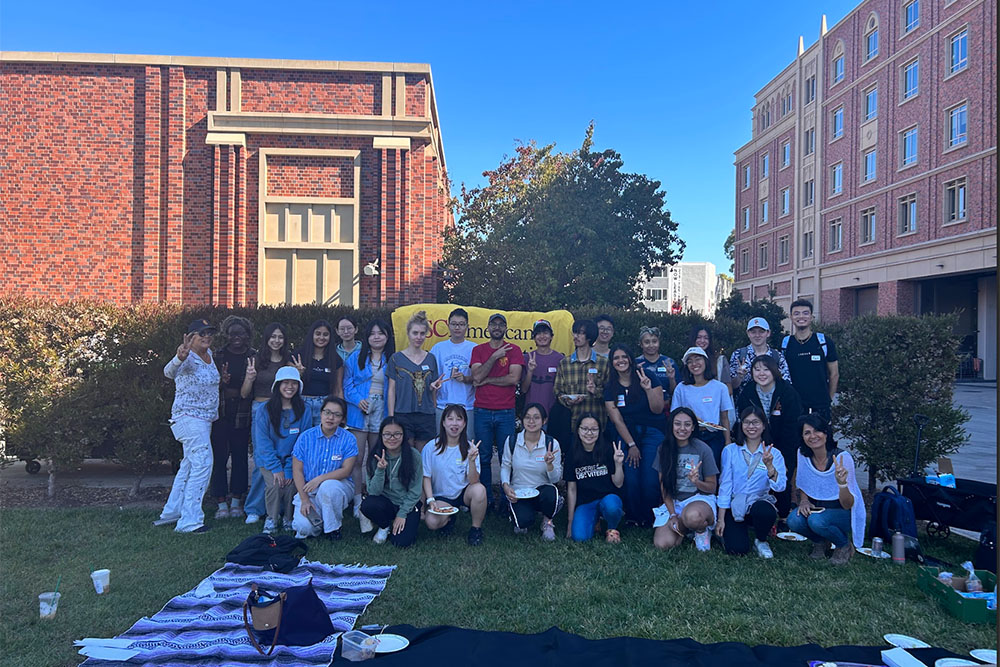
(892, 512)
(279, 553)
(820, 337)
(986, 553)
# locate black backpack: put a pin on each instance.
(891, 512)
(986, 554)
(280, 553)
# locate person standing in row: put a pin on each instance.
(739, 364)
(605, 332)
(812, 361)
(702, 337)
(707, 398)
(654, 364)
(543, 364)
(347, 329)
(454, 358)
(394, 476)
(320, 366)
(413, 381)
(195, 407)
(580, 380)
(496, 370)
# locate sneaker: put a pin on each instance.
(270, 526)
(252, 518)
(166, 521)
(819, 551)
(333, 535)
(200, 529)
(548, 531)
(222, 513)
(612, 536)
(842, 555)
(520, 531)
(381, 535)
(763, 549)
(286, 524)
(703, 540)
(475, 537)
(366, 525)
(236, 512)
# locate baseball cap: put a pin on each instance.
(495, 316)
(541, 324)
(202, 325)
(691, 351)
(758, 322)
(287, 373)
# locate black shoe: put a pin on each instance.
(448, 528)
(201, 529)
(333, 535)
(475, 537)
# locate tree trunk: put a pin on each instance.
(52, 480)
(872, 476)
(134, 491)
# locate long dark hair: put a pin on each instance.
(710, 350)
(463, 438)
(601, 447)
(366, 349)
(613, 378)
(274, 409)
(405, 453)
(669, 450)
(330, 356)
(765, 435)
(264, 352)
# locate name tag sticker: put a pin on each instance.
(293, 431)
(661, 369)
(539, 459)
(761, 466)
(326, 370)
(621, 400)
(336, 457)
(815, 357)
(592, 371)
(425, 367)
(459, 462)
(776, 413)
(553, 369)
(707, 399)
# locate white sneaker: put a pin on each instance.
(301, 536)
(270, 526)
(548, 530)
(703, 541)
(222, 513)
(366, 525)
(252, 518)
(763, 549)
(166, 521)
(381, 535)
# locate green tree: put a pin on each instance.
(729, 247)
(734, 307)
(558, 230)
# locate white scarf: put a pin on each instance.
(823, 486)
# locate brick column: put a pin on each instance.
(152, 285)
(837, 305)
(216, 296)
(241, 223)
(896, 297)
(175, 139)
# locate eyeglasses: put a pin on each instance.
(331, 413)
(397, 435)
(589, 430)
(753, 422)
(457, 324)
(606, 329)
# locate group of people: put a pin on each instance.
(710, 446)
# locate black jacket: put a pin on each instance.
(784, 426)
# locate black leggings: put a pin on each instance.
(546, 502)
(382, 513)
(227, 440)
(784, 498)
(736, 535)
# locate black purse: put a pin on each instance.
(293, 617)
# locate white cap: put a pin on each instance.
(691, 351)
(287, 373)
(758, 322)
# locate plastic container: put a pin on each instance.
(357, 646)
(102, 581)
(967, 610)
(47, 605)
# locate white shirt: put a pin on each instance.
(448, 471)
(708, 401)
(734, 474)
(454, 355)
(528, 468)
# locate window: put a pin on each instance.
(868, 226)
(836, 235)
(908, 214)
(785, 201)
(807, 244)
(838, 123)
(746, 176)
(763, 211)
(959, 51)
(762, 253)
(809, 141)
(954, 201)
(745, 260)
(911, 15)
(786, 104)
(871, 103)
(764, 164)
(808, 192)
(786, 154)
(911, 79)
(783, 250)
(871, 44)
(656, 295)
(908, 148)
(810, 89)
(836, 179)
(746, 218)
(869, 171)
(838, 69)
(957, 128)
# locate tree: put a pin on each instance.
(729, 247)
(558, 230)
(734, 307)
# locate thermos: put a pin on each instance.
(898, 548)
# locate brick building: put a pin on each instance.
(220, 181)
(869, 185)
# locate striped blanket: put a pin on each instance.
(205, 625)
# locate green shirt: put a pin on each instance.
(386, 482)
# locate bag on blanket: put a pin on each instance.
(294, 617)
(280, 553)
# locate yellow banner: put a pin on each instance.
(519, 325)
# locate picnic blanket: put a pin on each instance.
(204, 626)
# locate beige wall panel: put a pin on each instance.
(308, 274)
(339, 287)
(345, 224)
(278, 269)
(297, 227)
(321, 223)
(274, 222)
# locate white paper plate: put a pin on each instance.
(903, 641)
(954, 662)
(391, 643)
(789, 536)
(867, 551)
(447, 511)
(526, 493)
(711, 427)
(984, 654)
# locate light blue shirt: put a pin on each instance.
(734, 474)
(321, 455)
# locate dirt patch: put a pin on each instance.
(81, 496)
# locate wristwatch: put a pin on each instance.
(430, 499)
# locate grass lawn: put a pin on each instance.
(511, 583)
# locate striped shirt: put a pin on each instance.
(321, 455)
(197, 387)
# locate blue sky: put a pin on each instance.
(668, 84)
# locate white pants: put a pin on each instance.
(184, 501)
(329, 501)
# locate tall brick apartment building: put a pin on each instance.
(213, 180)
(870, 182)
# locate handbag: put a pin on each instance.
(294, 617)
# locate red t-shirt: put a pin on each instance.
(489, 396)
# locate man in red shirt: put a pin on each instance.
(496, 370)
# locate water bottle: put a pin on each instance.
(898, 548)
(973, 584)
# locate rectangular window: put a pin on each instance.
(809, 141)
(868, 226)
(764, 164)
(745, 260)
(836, 179)
(909, 146)
(871, 44)
(785, 196)
(808, 192)
(656, 295)
(870, 173)
(783, 250)
(807, 244)
(838, 123)
(911, 12)
(746, 176)
(958, 131)
(836, 235)
(911, 79)
(746, 218)
(763, 212)
(838, 69)
(786, 154)
(810, 89)
(954, 201)
(762, 253)
(871, 103)
(959, 51)
(908, 214)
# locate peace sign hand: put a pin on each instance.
(251, 368)
(619, 454)
(767, 456)
(473, 452)
(296, 360)
(383, 463)
(644, 380)
(224, 374)
(436, 385)
(532, 362)
(840, 471)
(693, 473)
(550, 456)
(184, 348)
(670, 371)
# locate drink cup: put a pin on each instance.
(47, 604)
(102, 580)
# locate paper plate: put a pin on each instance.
(902, 641)
(867, 551)
(954, 662)
(447, 511)
(791, 537)
(391, 643)
(526, 493)
(984, 654)
(711, 427)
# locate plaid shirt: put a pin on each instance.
(572, 379)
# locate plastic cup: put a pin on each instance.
(47, 604)
(102, 580)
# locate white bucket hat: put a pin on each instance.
(692, 351)
(287, 373)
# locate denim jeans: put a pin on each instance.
(493, 427)
(315, 404)
(609, 507)
(830, 524)
(254, 504)
(642, 484)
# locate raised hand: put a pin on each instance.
(456, 374)
(670, 371)
(474, 449)
(550, 457)
(251, 368)
(224, 374)
(185, 348)
(840, 471)
(532, 362)
(634, 456)
(767, 456)
(436, 385)
(383, 462)
(644, 380)
(693, 473)
(619, 454)
(500, 351)
(296, 360)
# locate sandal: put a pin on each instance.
(613, 537)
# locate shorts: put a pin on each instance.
(418, 425)
(371, 421)
(458, 502)
(661, 515)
